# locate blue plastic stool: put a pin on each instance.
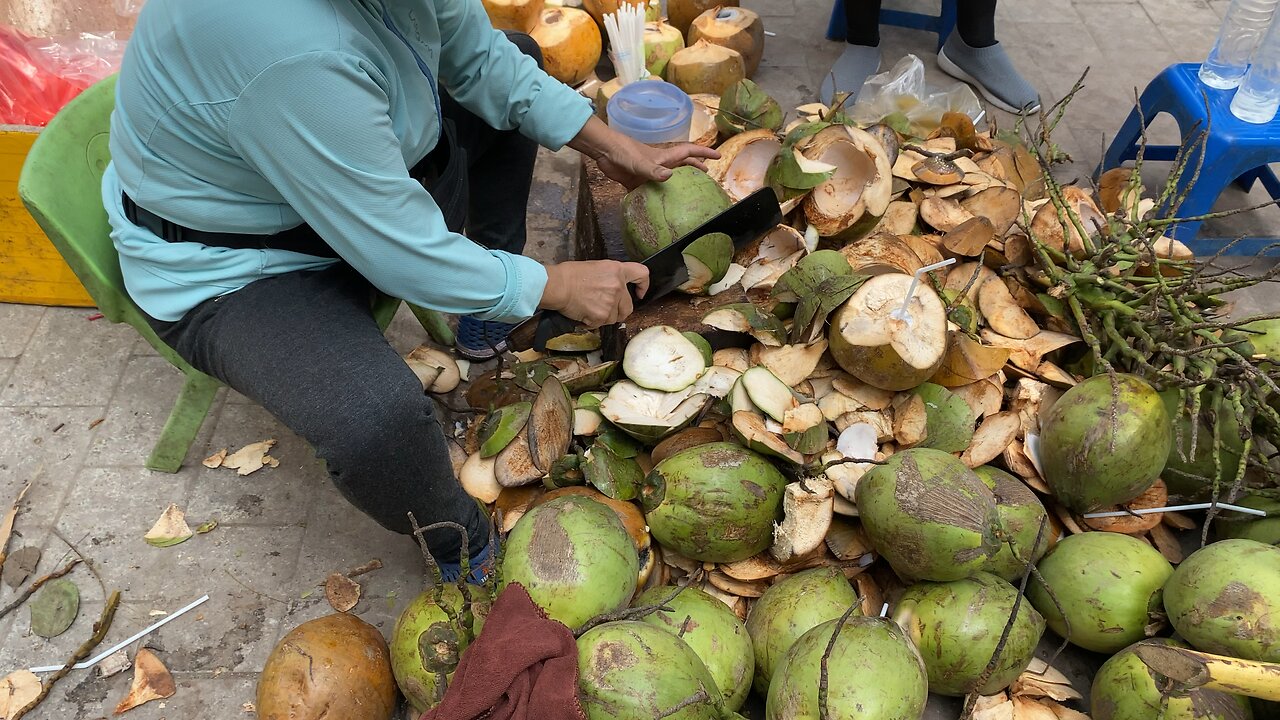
(941, 24)
(1235, 151)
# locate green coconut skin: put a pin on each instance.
(1091, 461)
(956, 626)
(1108, 583)
(1265, 530)
(718, 637)
(1125, 689)
(930, 516)
(1178, 473)
(632, 670)
(715, 502)
(657, 214)
(1020, 513)
(1225, 599)
(873, 673)
(790, 609)
(417, 682)
(574, 557)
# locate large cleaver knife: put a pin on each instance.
(743, 222)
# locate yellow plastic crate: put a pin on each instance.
(31, 270)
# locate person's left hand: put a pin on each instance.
(633, 163)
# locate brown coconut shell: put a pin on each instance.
(681, 13)
(1048, 229)
(732, 27)
(706, 68)
(858, 191)
(516, 15)
(744, 159)
(570, 42)
(335, 666)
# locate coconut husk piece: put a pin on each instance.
(807, 514)
(968, 361)
(870, 593)
(151, 681)
(900, 218)
(1178, 521)
(1030, 399)
(1194, 669)
(1041, 680)
(1055, 375)
(739, 588)
(910, 420)
(983, 397)
(1066, 518)
(1000, 205)
(847, 541)
(925, 247)
(1166, 542)
(1003, 314)
(969, 238)
(943, 214)
(513, 503)
(790, 363)
(968, 277)
(1016, 459)
(994, 434)
(881, 253)
(1029, 353)
(881, 421)
(755, 568)
(992, 707)
(871, 398)
(1155, 496)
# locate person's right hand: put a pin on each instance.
(594, 292)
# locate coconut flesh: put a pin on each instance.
(661, 358)
(860, 185)
(649, 415)
(705, 68)
(744, 158)
(732, 27)
(871, 343)
(570, 43)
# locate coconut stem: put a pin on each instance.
(643, 610)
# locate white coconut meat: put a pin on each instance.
(870, 320)
(777, 252)
(660, 358)
(731, 277)
(744, 159)
(861, 184)
(650, 413)
(768, 393)
(478, 478)
(716, 382)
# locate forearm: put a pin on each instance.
(596, 139)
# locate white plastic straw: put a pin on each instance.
(901, 313)
(626, 38)
(140, 634)
(1176, 508)
(884, 610)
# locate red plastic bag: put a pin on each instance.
(38, 76)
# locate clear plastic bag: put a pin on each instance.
(38, 76)
(902, 89)
(128, 8)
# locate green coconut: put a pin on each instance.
(715, 502)
(956, 625)
(574, 557)
(1109, 586)
(791, 608)
(1102, 445)
(661, 41)
(1190, 475)
(1264, 335)
(707, 260)
(873, 673)
(1225, 599)
(1126, 689)
(1020, 513)
(657, 214)
(1265, 530)
(426, 641)
(711, 629)
(930, 516)
(632, 670)
(744, 106)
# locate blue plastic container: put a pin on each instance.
(651, 111)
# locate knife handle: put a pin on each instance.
(551, 325)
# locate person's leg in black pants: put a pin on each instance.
(861, 57)
(305, 346)
(500, 165)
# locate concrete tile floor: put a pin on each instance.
(81, 401)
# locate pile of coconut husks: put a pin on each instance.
(837, 490)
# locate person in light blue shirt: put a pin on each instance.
(275, 163)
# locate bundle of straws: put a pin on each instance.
(626, 41)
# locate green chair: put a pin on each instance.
(61, 187)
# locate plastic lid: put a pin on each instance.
(651, 111)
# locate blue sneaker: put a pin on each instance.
(482, 564)
(481, 340)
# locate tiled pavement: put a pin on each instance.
(81, 401)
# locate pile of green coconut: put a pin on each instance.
(868, 491)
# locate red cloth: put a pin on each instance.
(523, 666)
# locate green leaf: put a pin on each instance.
(898, 121)
(54, 608)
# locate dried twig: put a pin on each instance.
(22, 597)
(100, 629)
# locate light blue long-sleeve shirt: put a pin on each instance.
(253, 116)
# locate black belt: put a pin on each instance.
(442, 166)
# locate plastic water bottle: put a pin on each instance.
(1258, 96)
(1244, 27)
